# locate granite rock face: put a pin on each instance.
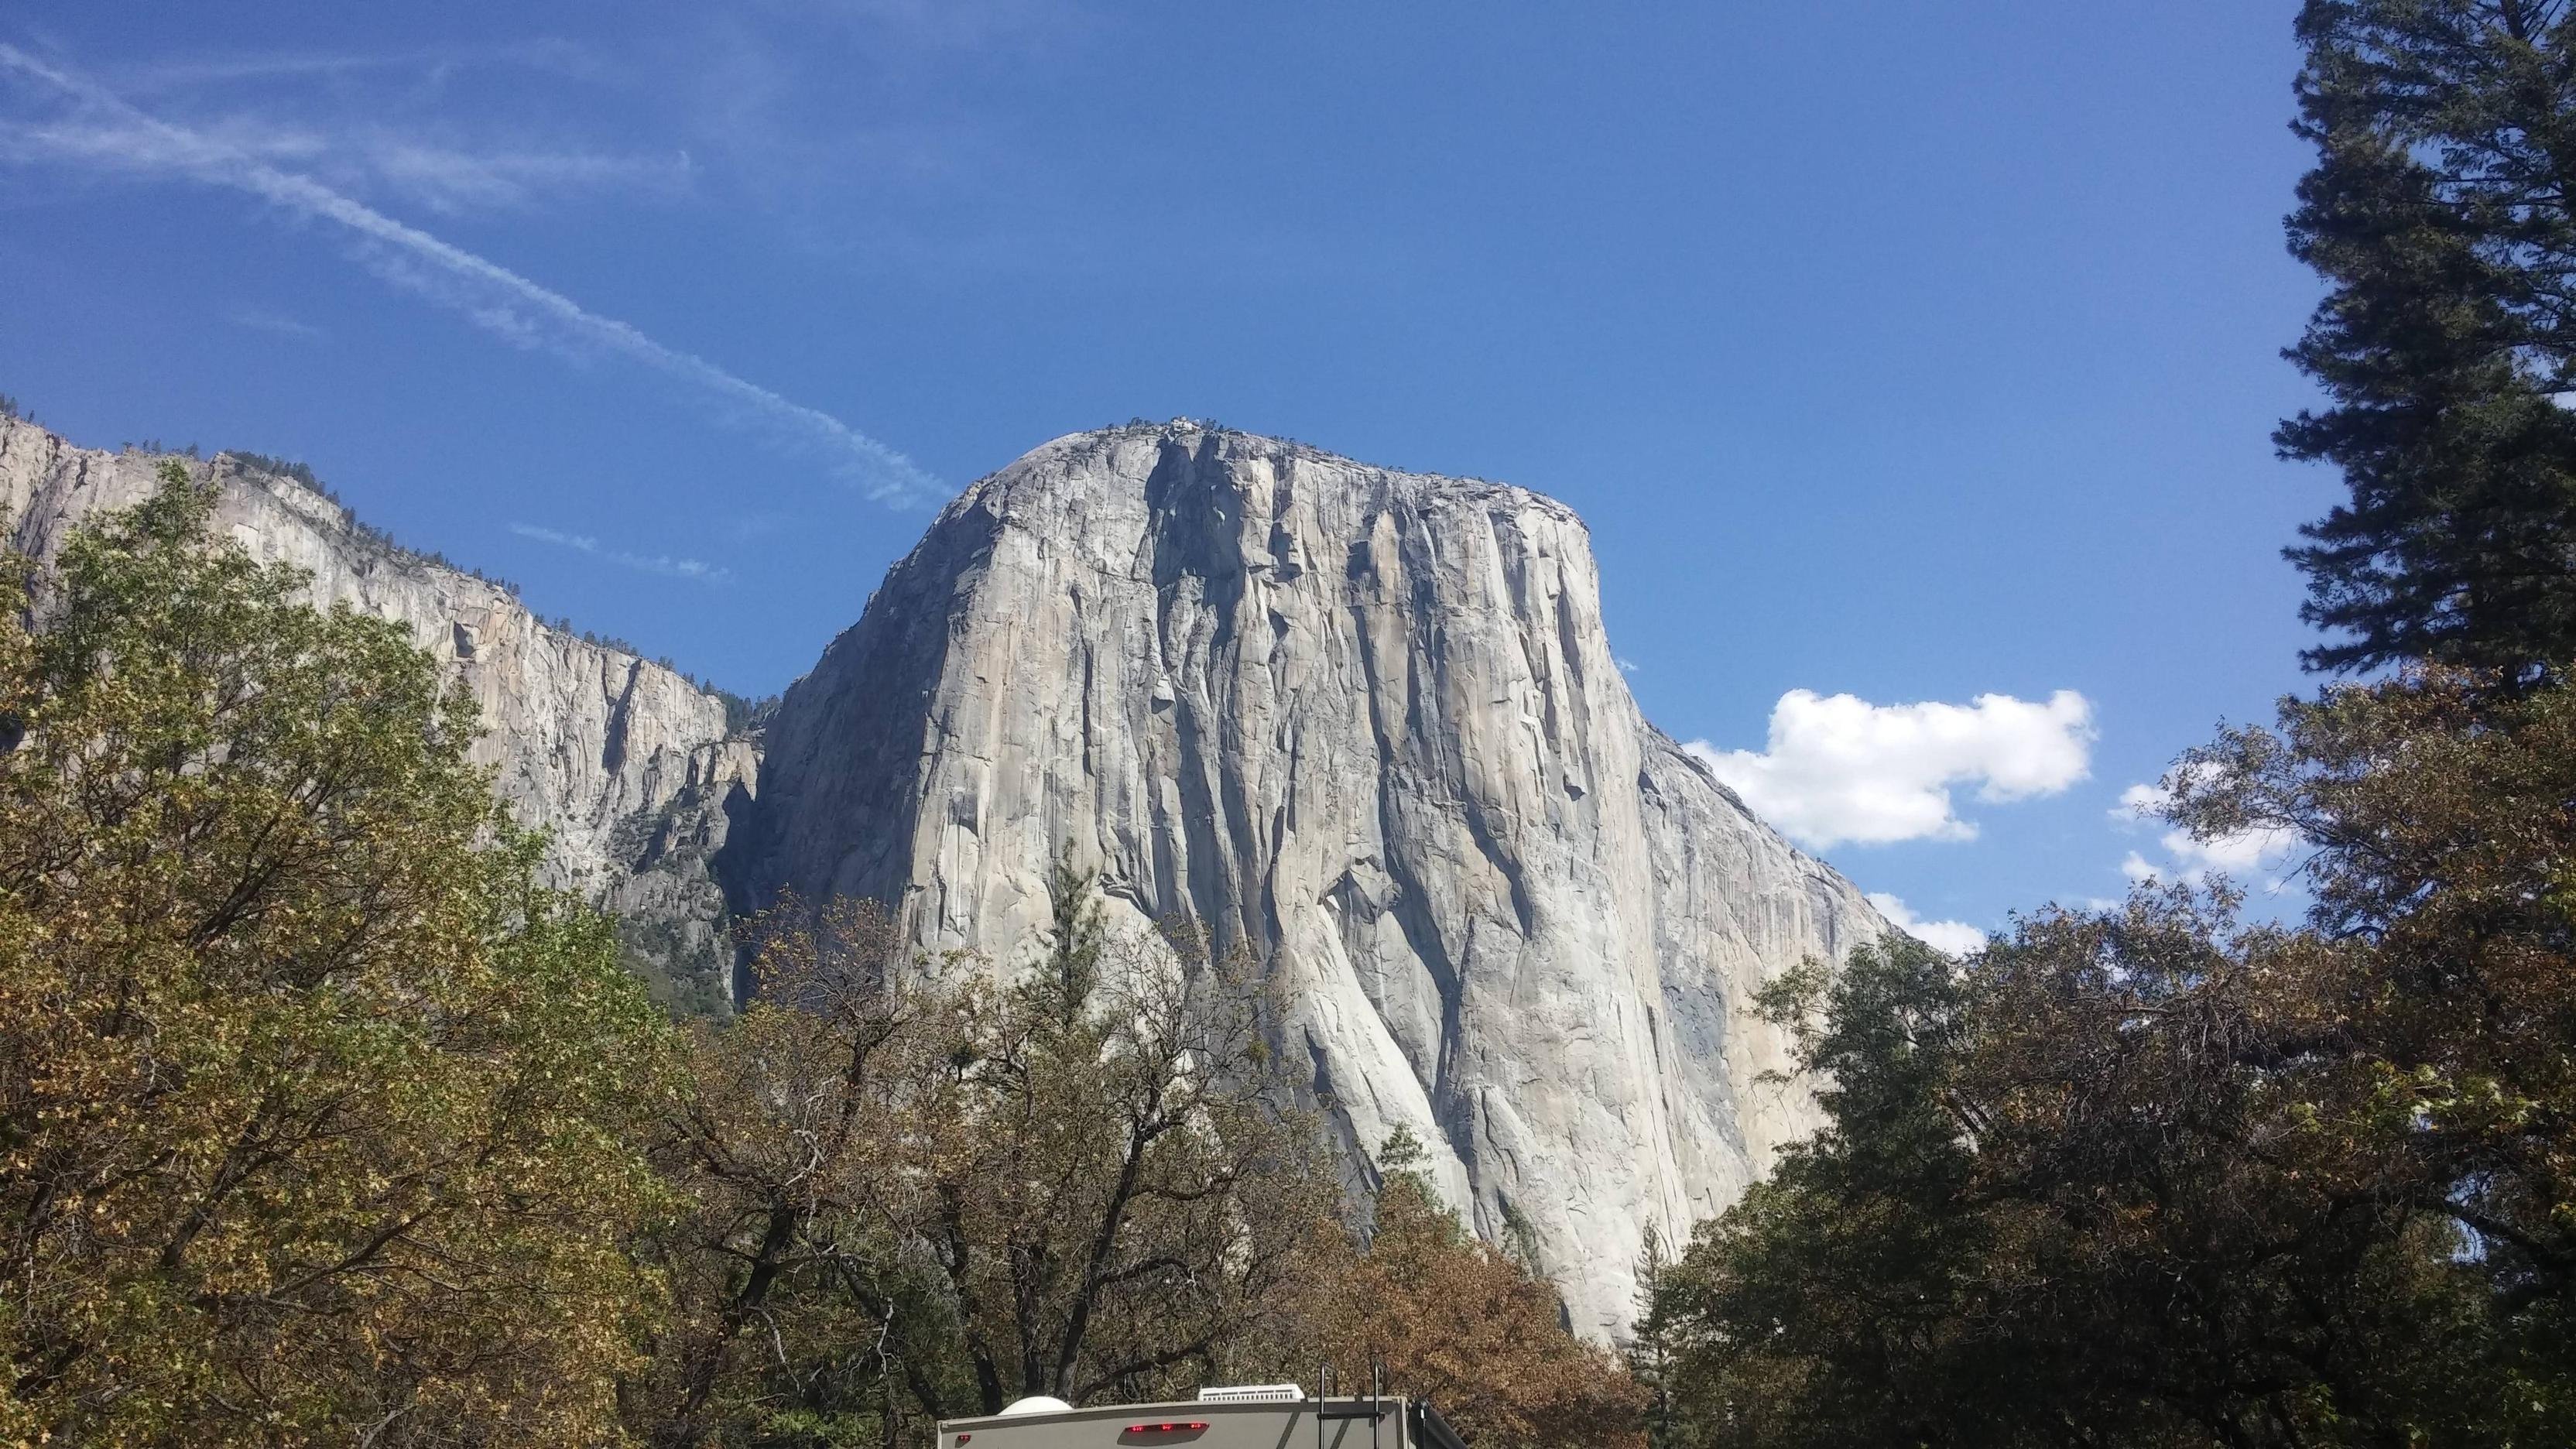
(628, 765)
(1368, 723)
(1365, 722)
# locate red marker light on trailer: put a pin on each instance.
(1192, 1427)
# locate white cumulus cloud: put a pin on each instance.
(1956, 938)
(1840, 769)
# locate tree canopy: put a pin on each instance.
(923, 1192)
(2143, 1177)
(1458, 1320)
(2439, 215)
(317, 1116)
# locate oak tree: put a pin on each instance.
(1462, 1322)
(314, 1108)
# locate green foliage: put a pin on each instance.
(1075, 937)
(2439, 215)
(686, 978)
(287, 468)
(2148, 1177)
(744, 715)
(315, 1113)
(1649, 1351)
(1401, 1152)
(2447, 812)
(1778, 1321)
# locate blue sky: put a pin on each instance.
(1906, 352)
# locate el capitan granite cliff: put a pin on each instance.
(1365, 722)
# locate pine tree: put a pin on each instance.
(1649, 1350)
(2439, 214)
(1074, 935)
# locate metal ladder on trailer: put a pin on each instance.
(1423, 1427)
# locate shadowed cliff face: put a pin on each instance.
(1368, 723)
(623, 762)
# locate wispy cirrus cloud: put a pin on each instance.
(450, 179)
(428, 126)
(663, 564)
(918, 25)
(382, 161)
(100, 128)
(261, 319)
(553, 56)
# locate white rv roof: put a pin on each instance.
(1190, 1424)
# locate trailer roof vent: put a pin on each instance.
(1040, 1404)
(1252, 1394)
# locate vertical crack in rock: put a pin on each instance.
(612, 753)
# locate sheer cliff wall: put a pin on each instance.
(1367, 722)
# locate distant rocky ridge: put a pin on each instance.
(628, 765)
(1365, 721)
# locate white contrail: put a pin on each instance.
(663, 564)
(883, 474)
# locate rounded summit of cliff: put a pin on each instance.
(1160, 456)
